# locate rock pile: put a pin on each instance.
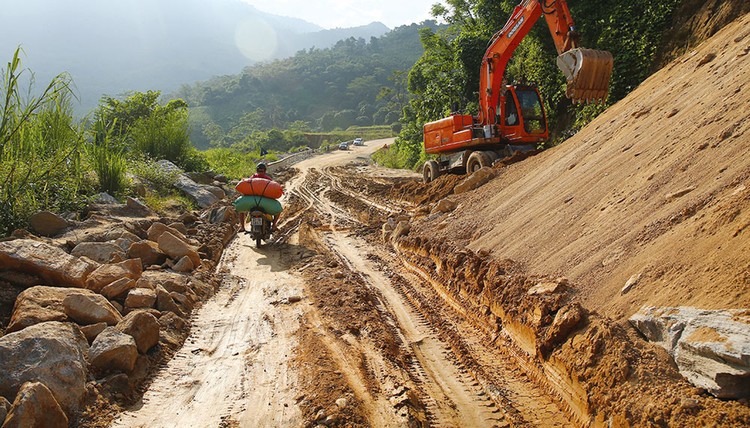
(98, 304)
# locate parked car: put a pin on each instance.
(359, 142)
(344, 145)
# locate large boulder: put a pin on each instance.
(106, 274)
(140, 298)
(165, 302)
(36, 406)
(52, 353)
(41, 304)
(118, 288)
(143, 327)
(113, 350)
(157, 229)
(102, 252)
(148, 251)
(176, 248)
(90, 308)
(46, 223)
(711, 347)
(475, 180)
(48, 262)
(203, 195)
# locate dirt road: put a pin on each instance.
(326, 325)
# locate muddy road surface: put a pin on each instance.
(325, 325)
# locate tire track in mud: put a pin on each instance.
(494, 371)
(450, 396)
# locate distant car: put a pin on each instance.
(344, 145)
(358, 142)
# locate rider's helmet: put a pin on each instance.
(261, 167)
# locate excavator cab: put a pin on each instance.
(523, 118)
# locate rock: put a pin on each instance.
(544, 288)
(172, 328)
(113, 350)
(53, 353)
(105, 199)
(171, 281)
(90, 308)
(183, 301)
(118, 287)
(188, 218)
(4, 409)
(140, 298)
(116, 385)
(197, 192)
(386, 232)
(183, 265)
(164, 302)
(143, 327)
(46, 223)
(35, 406)
(176, 248)
(445, 206)
(341, 402)
(475, 180)
(148, 251)
(93, 330)
(41, 304)
(157, 229)
(216, 191)
(50, 263)
(138, 208)
(102, 252)
(632, 282)
(180, 227)
(106, 274)
(222, 214)
(402, 229)
(566, 320)
(710, 347)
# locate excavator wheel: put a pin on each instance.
(476, 161)
(430, 171)
(588, 72)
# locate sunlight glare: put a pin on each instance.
(256, 39)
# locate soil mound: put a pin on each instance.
(653, 193)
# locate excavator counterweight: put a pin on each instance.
(588, 72)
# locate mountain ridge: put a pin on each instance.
(138, 45)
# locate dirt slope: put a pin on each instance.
(657, 186)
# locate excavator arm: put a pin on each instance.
(587, 71)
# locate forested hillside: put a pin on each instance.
(640, 34)
(355, 82)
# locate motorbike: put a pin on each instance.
(260, 226)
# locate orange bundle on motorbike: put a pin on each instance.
(260, 187)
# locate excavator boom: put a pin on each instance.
(587, 71)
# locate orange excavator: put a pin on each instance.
(511, 117)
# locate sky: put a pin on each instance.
(350, 13)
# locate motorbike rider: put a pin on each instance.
(260, 172)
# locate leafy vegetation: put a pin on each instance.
(48, 161)
(448, 71)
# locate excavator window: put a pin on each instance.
(531, 110)
(511, 112)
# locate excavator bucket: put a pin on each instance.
(588, 72)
